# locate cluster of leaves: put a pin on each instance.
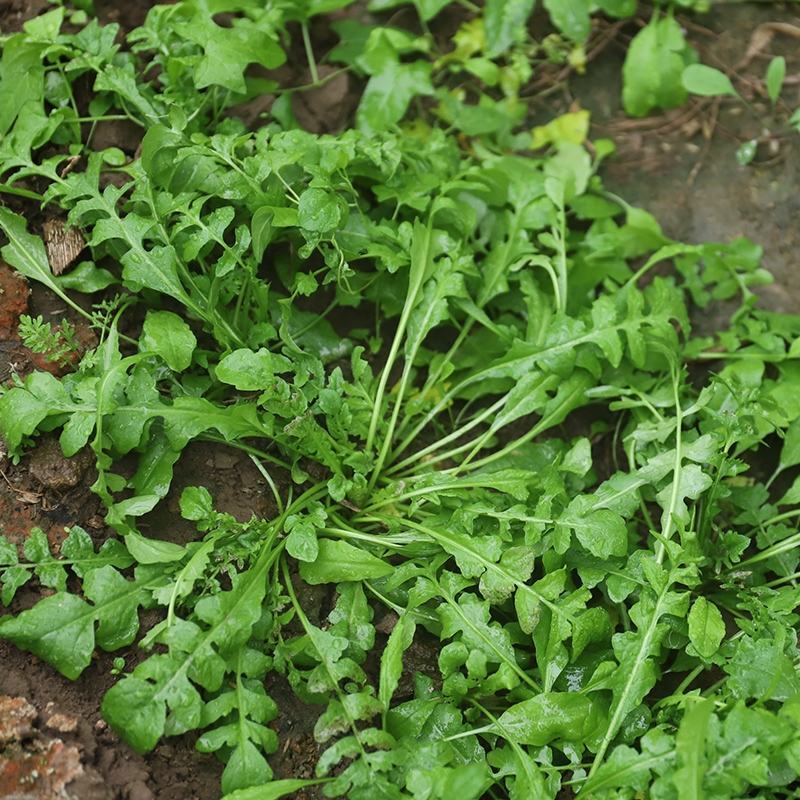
(476, 84)
(470, 381)
(188, 65)
(706, 81)
(661, 70)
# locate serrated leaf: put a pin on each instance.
(318, 211)
(23, 409)
(248, 370)
(790, 452)
(549, 716)
(153, 551)
(229, 50)
(690, 747)
(654, 66)
(389, 92)
(60, 629)
(602, 532)
(24, 251)
(160, 695)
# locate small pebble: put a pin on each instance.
(63, 723)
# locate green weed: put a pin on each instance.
(497, 423)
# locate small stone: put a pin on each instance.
(49, 466)
(62, 723)
(41, 775)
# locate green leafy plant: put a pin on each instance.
(656, 59)
(471, 382)
(707, 81)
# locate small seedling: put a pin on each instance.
(56, 343)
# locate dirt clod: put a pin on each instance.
(13, 13)
(326, 108)
(63, 723)
(41, 772)
(18, 513)
(121, 133)
(17, 716)
(88, 762)
(51, 469)
(139, 791)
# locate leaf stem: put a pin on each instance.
(420, 253)
(454, 435)
(7, 188)
(312, 62)
(784, 546)
(268, 478)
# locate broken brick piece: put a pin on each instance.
(17, 716)
(39, 775)
(14, 294)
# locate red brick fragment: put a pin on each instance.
(17, 716)
(39, 775)
(14, 294)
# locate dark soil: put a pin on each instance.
(680, 166)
